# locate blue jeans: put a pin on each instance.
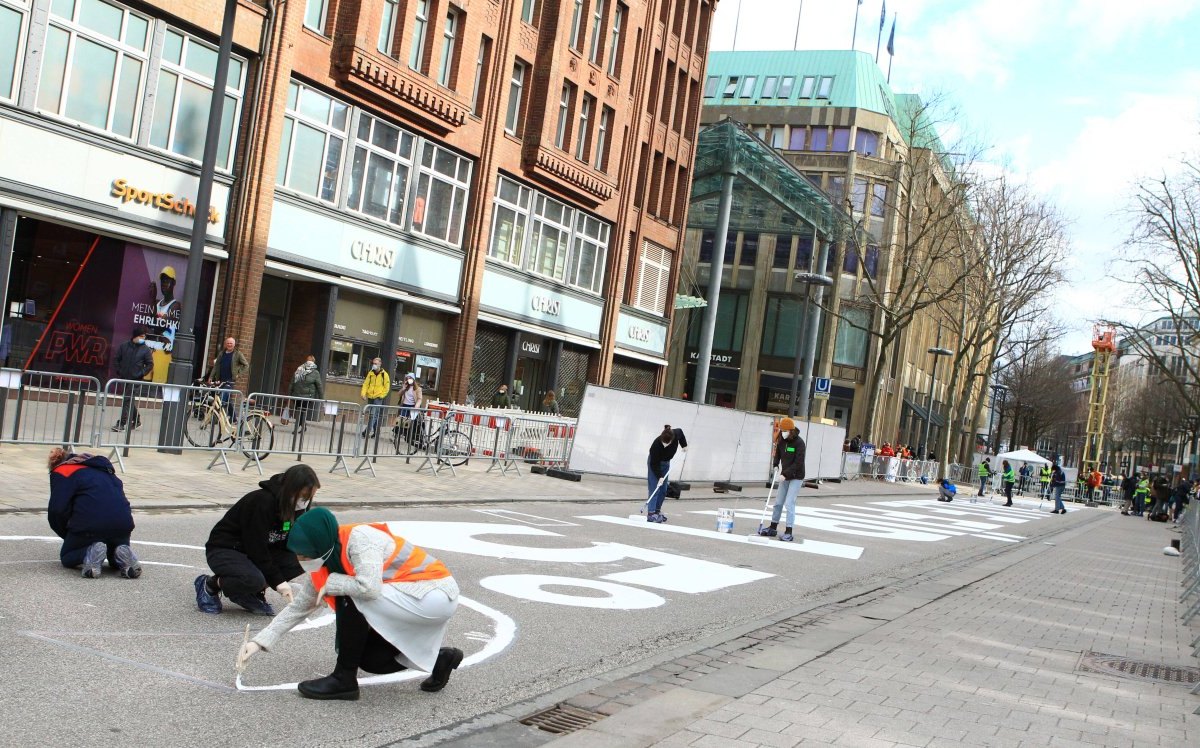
(656, 490)
(75, 546)
(1058, 498)
(982, 484)
(786, 496)
(373, 426)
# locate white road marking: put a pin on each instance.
(530, 587)
(818, 547)
(508, 514)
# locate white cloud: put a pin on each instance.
(1106, 24)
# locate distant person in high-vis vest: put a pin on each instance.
(392, 601)
(985, 473)
(1009, 477)
(1044, 479)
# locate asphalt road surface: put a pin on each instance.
(552, 593)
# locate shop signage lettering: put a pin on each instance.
(720, 359)
(373, 254)
(166, 201)
(79, 343)
(638, 333)
(546, 305)
(533, 348)
(370, 333)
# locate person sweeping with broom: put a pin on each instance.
(788, 462)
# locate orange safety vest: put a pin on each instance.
(408, 563)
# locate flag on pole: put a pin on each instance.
(892, 39)
(882, 15)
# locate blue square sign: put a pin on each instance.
(821, 388)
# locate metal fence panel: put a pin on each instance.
(38, 407)
(399, 432)
(311, 427)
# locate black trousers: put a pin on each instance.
(1008, 487)
(358, 645)
(239, 575)
(75, 546)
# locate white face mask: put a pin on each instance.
(303, 504)
(313, 564)
(374, 367)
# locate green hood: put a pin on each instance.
(314, 533)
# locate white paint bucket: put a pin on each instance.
(724, 520)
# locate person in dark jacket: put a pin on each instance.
(89, 511)
(306, 383)
(788, 462)
(1058, 484)
(501, 398)
(247, 549)
(1128, 484)
(658, 464)
(134, 361)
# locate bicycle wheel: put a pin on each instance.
(257, 436)
(202, 428)
(455, 447)
(417, 438)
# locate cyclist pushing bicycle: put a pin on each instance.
(229, 366)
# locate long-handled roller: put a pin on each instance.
(755, 537)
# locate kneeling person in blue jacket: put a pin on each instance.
(89, 511)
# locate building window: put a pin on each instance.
(615, 48)
(602, 139)
(585, 129)
(837, 190)
(748, 86)
(710, 86)
(448, 65)
(379, 175)
(597, 32)
(440, 202)
(564, 115)
(730, 329)
(481, 71)
(654, 278)
(841, 139)
(185, 82)
(310, 152)
(93, 64)
(786, 84)
(387, 26)
(850, 348)
(850, 260)
(561, 243)
(730, 87)
(796, 139)
(819, 140)
(12, 25)
(577, 25)
(858, 194)
(867, 143)
(770, 83)
(315, 14)
(825, 88)
(782, 323)
(748, 257)
(416, 56)
(778, 137)
(708, 238)
(871, 261)
(351, 360)
(807, 86)
(878, 199)
(516, 87)
(528, 9)
(783, 252)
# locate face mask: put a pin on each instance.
(313, 564)
(139, 341)
(374, 367)
(786, 435)
(303, 504)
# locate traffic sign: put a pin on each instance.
(821, 388)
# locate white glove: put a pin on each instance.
(285, 589)
(248, 650)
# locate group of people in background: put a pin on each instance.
(1155, 498)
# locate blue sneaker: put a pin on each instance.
(256, 604)
(93, 559)
(767, 532)
(206, 601)
(787, 536)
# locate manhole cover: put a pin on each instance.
(1097, 662)
(562, 719)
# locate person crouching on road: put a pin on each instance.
(247, 549)
(89, 511)
(658, 464)
(391, 599)
(789, 461)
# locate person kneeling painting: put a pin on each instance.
(392, 601)
(89, 511)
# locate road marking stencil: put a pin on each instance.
(820, 548)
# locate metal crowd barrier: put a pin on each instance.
(1189, 547)
(38, 407)
(896, 469)
(314, 428)
(174, 418)
(400, 432)
(490, 435)
(851, 466)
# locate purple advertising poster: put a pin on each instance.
(147, 299)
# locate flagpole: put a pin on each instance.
(737, 22)
(879, 38)
(854, 36)
(796, 43)
(889, 78)
(891, 48)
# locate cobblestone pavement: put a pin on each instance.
(987, 652)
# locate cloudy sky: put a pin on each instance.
(1083, 97)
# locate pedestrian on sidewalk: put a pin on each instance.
(376, 387)
(658, 465)
(89, 511)
(307, 384)
(229, 366)
(1058, 484)
(1161, 492)
(1009, 477)
(788, 462)
(134, 362)
(1025, 472)
(550, 403)
(1128, 484)
(392, 601)
(501, 399)
(1179, 498)
(247, 548)
(985, 474)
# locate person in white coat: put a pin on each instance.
(392, 601)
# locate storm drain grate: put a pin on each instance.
(1097, 662)
(562, 719)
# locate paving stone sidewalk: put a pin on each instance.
(992, 654)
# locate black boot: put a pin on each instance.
(447, 662)
(341, 685)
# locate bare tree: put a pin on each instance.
(1039, 391)
(1150, 419)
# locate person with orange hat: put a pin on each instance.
(788, 462)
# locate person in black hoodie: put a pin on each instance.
(247, 549)
(89, 511)
(788, 460)
(662, 449)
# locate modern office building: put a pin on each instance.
(475, 192)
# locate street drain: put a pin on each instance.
(1097, 662)
(562, 719)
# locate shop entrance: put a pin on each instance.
(269, 328)
(530, 381)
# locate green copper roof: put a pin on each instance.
(857, 81)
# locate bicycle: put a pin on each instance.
(208, 425)
(453, 446)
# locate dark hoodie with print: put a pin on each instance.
(87, 498)
(253, 526)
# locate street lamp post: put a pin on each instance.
(183, 350)
(802, 380)
(1001, 392)
(937, 352)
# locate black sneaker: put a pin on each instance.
(767, 532)
(256, 604)
(93, 559)
(449, 658)
(128, 563)
(118, 427)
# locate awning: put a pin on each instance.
(923, 414)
